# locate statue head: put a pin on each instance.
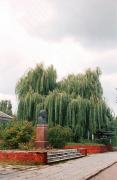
(42, 117)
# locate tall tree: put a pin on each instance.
(6, 107)
(32, 89)
(76, 101)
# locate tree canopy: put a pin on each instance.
(76, 101)
(6, 107)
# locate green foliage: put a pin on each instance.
(114, 141)
(56, 105)
(38, 80)
(6, 107)
(27, 146)
(29, 107)
(84, 142)
(84, 85)
(113, 128)
(32, 89)
(59, 136)
(76, 102)
(16, 133)
(105, 141)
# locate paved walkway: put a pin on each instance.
(76, 169)
(108, 174)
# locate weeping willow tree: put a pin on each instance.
(76, 101)
(84, 85)
(87, 110)
(56, 104)
(32, 89)
(29, 106)
(39, 80)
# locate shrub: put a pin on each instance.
(58, 136)
(105, 141)
(114, 141)
(16, 133)
(26, 146)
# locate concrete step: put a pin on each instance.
(64, 155)
(64, 158)
(61, 155)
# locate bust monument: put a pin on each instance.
(42, 119)
(42, 130)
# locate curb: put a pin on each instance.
(98, 172)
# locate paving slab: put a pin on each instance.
(78, 169)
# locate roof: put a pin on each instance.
(4, 116)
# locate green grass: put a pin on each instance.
(86, 143)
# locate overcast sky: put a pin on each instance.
(73, 35)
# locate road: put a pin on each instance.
(77, 169)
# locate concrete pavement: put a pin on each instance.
(77, 169)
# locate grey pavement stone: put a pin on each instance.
(77, 169)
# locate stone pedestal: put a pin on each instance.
(41, 136)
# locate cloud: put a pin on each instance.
(107, 61)
(91, 22)
(109, 87)
(31, 31)
(67, 56)
(10, 71)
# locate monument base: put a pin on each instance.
(41, 136)
(41, 144)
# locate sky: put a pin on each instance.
(71, 35)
